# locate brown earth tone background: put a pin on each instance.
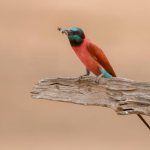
(31, 49)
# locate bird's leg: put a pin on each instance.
(86, 74)
(98, 78)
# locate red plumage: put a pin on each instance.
(93, 58)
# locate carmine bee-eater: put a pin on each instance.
(91, 56)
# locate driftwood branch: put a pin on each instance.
(122, 95)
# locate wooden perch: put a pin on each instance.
(122, 95)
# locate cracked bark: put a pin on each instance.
(122, 95)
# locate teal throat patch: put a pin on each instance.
(75, 40)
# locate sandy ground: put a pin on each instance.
(31, 49)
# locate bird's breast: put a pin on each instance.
(85, 57)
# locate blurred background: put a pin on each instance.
(31, 48)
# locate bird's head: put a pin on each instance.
(74, 34)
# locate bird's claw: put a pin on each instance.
(97, 80)
(83, 76)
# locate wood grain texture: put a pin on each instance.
(122, 95)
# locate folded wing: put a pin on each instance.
(100, 57)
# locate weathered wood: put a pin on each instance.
(122, 95)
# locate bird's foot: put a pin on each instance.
(97, 80)
(83, 76)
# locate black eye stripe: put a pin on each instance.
(76, 32)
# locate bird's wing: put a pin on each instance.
(100, 57)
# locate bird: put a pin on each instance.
(91, 56)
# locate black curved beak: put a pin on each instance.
(64, 30)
